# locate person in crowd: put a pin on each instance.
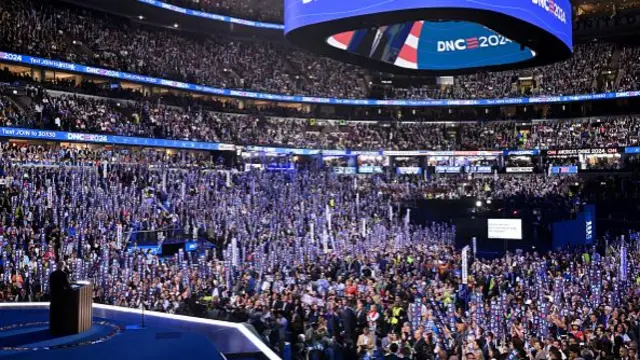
(366, 344)
(393, 352)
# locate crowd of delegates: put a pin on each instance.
(263, 10)
(525, 195)
(56, 111)
(586, 133)
(38, 28)
(338, 270)
(577, 75)
(86, 156)
(629, 66)
(591, 7)
(62, 32)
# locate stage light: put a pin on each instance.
(478, 203)
(175, 25)
(488, 201)
(140, 17)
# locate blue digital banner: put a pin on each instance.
(153, 250)
(278, 150)
(211, 16)
(408, 170)
(519, 169)
(281, 167)
(479, 169)
(589, 218)
(61, 65)
(365, 152)
(580, 231)
(370, 169)
(344, 170)
(533, 152)
(448, 169)
(334, 153)
(190, 246)
(110, 139)
(22, 133)
(459, 45)
(570, 169)
(464, 153)
(553, 16)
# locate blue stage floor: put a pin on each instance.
(28, 329)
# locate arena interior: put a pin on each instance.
(233, 188)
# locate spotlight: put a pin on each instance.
(140, 17)
(478, 203)
(175, 25)
(488, 201)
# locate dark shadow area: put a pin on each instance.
(29, 337)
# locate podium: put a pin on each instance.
(72, 314)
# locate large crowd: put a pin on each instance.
(269, 10)
(58, 111)
(55, 31)
(80, 36)
(306, 273)
(334, 265)
(581, 74)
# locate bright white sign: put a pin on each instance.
(510, 229)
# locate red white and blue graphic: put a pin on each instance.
(553, 8)
(429, 45)
(408, 56)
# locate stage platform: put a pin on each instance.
(117, 333)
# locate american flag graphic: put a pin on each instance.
(341, 41)
(408, 57)
(472, 43)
